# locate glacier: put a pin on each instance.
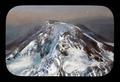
(62, 49)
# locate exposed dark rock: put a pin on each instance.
(61, 49)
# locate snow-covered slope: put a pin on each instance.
(62, 49)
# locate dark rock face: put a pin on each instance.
(62, 49)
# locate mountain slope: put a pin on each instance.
(61, 49)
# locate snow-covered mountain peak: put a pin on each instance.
(62, 49)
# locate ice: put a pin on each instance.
(19, 64)
(56, 51)
(53, 70)
(28, 47)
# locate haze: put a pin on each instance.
(21, 19)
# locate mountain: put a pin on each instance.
(62, 49)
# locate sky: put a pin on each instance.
(25, 14)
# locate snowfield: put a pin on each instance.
(62, 49)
